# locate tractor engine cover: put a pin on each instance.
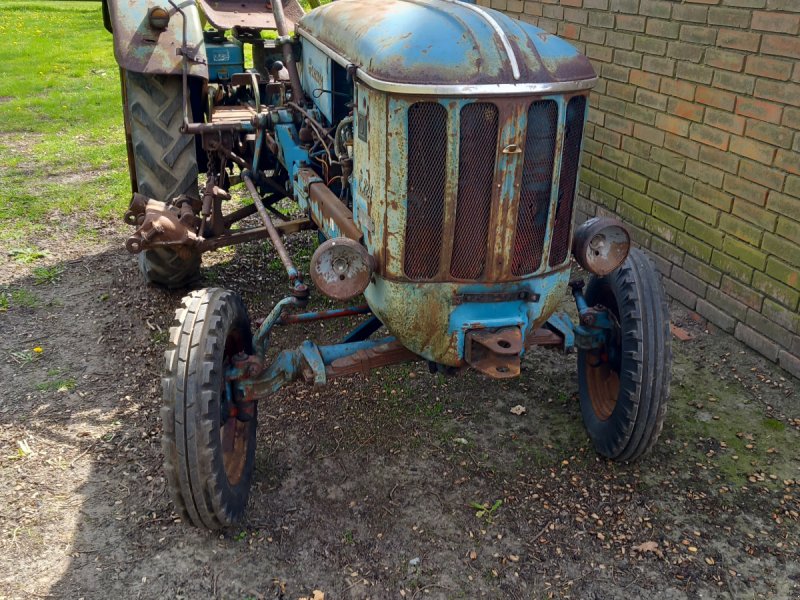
(467, 132)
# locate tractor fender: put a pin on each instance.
(142, 48)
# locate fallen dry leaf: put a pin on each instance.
(650, 546)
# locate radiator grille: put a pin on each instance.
(537, 179)
(476, 168)
(427, 174)
(567, 181)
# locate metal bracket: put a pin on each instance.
(494, 353)
(523, 295)
(563, 326)
(191, 54)
(314, 366)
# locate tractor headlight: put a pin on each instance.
(159, 18)
(601, 244)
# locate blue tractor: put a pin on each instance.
(435, 146)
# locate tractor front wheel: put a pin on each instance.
(209, 435)
(624, 385)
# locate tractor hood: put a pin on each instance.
(440, 46)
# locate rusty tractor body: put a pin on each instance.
(436, 146)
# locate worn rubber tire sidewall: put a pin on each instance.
(638, 416)
(191, 412)
(165, 163)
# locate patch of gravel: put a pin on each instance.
(368, 488)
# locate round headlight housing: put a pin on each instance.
(601, 245)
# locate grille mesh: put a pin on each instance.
(427, 170)
(569, 175)
(537, 182)
(476, 167)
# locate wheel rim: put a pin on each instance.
(234, 434)
(602, 367)
(603, 384)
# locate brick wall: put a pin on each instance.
(694, 140)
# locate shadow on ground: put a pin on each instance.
(369, 488)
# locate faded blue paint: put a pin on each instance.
(288, 366)
(563, 325)
(224, 60)
(336, 351)
(428, 319)
(434, 42)
(261, 339)
(292, 155)
(317, 76)
(312, 357)
(301, 187)
(527, 315)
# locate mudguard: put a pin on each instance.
(140, 48)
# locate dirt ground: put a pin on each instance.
(368, 488)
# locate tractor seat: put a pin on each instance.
(248, 14)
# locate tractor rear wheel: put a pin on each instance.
(164, 163)
(624, 386)
(209, 434)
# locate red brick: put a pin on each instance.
(722, 59)
(656, 64)
(676, 87)
(766, 176)
(775, 22)
(570, 31)
(686, 110)
(725, 120)
(672, 125)
(714, 97)
(630, 23)
(768, 67)
(682, 146)
(648, 134)
(742, 293)
(742, 188)
(758, 109)
(645, 80)
(754, 214)
(757, 341)
(709, 136)
(781, 45)
(722, 160)
(615, 123)
(738, 40)
(788, 93)
(791, 117)
(771, 134)
(730, 17)
(753, 149)
(698, 35)
(621, 91)
(788, 161)
(734, 82)
(705, 173)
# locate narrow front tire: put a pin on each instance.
(209, 436)
(624, 386)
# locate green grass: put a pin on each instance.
(62, 143)
(27, 255)
(45, 275)
(17, 298)
(57, 385)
